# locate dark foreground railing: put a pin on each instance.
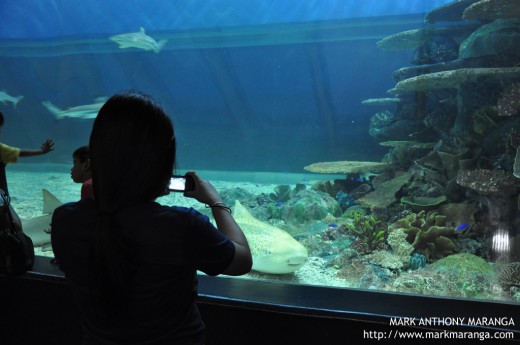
(38, 308)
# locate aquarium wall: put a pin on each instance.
(382, 136)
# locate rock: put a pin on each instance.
(309, 205)
(412, 39)
(489, 10)
(397, 130)
(383, 101)
(481, 61)
(451, 12)
(500, 38)
(418, 203)
(452, 79)
(347, 167)
(437, 49)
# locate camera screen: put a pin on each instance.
(177, 184)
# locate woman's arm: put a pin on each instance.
(205, 193)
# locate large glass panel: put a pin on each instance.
(381, 135)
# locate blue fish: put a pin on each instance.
(462, 227)
(278, 204)
(333, 225)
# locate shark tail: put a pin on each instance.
(57, 112)
(160, 46)
(17, 100)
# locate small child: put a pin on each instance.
(80, 171)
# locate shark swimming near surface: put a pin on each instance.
(5, 97)
(274, 250)
(86, 111)
(37, 227)
(139, 40)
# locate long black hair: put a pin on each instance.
(132, 147)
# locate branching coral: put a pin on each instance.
(369, 230)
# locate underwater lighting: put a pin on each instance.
(501, 240)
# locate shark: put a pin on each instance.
(274, 251)
(37, 228)
(86, 111)
(138, 40)
(5, 97)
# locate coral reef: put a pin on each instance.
(450, 12)
(386, 187)
(489, 10)
(401, 248)
(451, 79)
(345, 200)
(509, 102)
(487, 182)
(347, 167)
(462, 275)
(417, 261)
(307, 205)
(509, 276)
(284, 192)
(452, 127)
(369, 230)
(499, 38)
(428, 234)
(418, 203)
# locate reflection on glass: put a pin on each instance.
(379, 142)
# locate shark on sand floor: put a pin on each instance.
(37, 227)
(274, 250)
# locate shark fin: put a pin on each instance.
(240, 212)
(101, 99)
(50, 202)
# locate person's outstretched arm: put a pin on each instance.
(47, 146)
(207, 194)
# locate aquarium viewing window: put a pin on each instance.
(382, 136)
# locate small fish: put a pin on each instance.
(139, 40)
(462, 227)
(278, 204)
(333, 225)
(86, 111)
(5, 97)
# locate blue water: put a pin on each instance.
(55, 18)
(251, 85)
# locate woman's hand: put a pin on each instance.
(204, 191)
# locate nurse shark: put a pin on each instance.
(274, 250)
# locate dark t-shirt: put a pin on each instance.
(172, 244)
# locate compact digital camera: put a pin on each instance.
(181, 184)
